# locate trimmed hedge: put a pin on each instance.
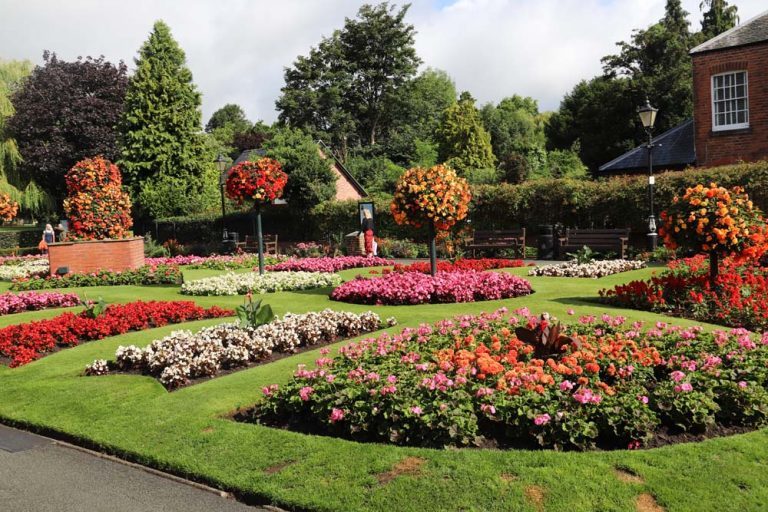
(620, 201)
(11, 238)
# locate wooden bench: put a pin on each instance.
(507, 239)
(599, 240)
(251, 244)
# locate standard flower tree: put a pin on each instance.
(261, 182)
(715, 221)
(436, 197)
(96, 205)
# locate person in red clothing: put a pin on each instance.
(367, 229)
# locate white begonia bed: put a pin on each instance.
(183, 355)
(240, 284)
(26, 268)
(593, 269)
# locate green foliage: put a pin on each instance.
(464, 144)
(583, 255)
(377, 174)
(229, 116)
(345, 89)
(93, 308)
(566, 163)
(163, 156)
(417, 112)
(310, 179)
(253, 314)
(12, 74)
(718, 18)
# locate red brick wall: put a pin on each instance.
(90, 256)
(726, 147)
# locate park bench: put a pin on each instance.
(599, 240)
(251, 244)
(506, 239)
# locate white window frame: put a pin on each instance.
(732, 126)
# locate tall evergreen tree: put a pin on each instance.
(230, 115)
(162, 150)
(464, 144)
(718, 17)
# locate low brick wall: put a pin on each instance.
(94, 255)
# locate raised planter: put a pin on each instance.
(94, 255)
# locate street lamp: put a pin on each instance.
(221, 165)
(648, 117)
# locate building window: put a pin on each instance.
(730, 105)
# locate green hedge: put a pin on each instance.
(12, 237)
(613, 202)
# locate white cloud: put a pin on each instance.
(237, 49)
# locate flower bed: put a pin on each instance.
(23, 268)
(240, 284)
(33, 301)
(462, 264)
(472, 381)
(328, 264)
(23, 343)
(445, 287)
(594, 269)
(146, 275)
(182, 356)
(739, 299)
(215, 262)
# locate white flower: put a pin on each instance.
(240, 284)
(593, 269)
(24, 268)
(98, 367)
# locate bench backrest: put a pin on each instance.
(254, 241)
(596, 234)
(508, 234)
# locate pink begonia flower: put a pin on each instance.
(542, 419)
(677, 376)
(416, 410)
(742, 384)
(684, 387)
(336, 415)
(488, 409)
(643, 398)
(566, 385)
(305, 392)
(571, 312)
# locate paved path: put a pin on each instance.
(39, 475)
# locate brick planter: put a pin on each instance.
(94, 255)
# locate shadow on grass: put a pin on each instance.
(580, 301)
(313, 291)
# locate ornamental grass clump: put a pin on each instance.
(487, 380)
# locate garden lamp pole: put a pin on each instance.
(221, 165)
(432, 250)
(648, 117)
(260, 239)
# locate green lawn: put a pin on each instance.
(185, 431)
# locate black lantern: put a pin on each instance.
(647, 115)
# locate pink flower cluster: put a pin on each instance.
(328, 264)
(445, 287)
(33, 301)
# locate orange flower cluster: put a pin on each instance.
(592, 360)
(96, 205)
(262, 181)
(436, 196)
(8, 207)
(715, 220)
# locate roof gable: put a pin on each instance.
(754, 30)
(674, 148)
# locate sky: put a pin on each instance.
(237, 49)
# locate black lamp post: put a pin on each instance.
(648, 117)
(221, 165)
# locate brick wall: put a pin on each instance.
(344, 189)
(90, 256)
(726, 147)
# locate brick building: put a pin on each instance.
(730, 106)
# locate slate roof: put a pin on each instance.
(754, 30)
(674, 148)
(247, 154)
